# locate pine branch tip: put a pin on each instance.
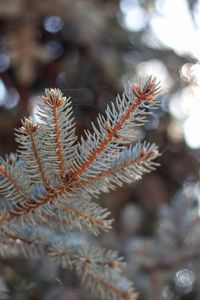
(28, 126)
(54, 98)
(149, 91)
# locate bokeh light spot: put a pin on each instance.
(2, 93)
(134, 18)
(12, 98)
(4, 62)
(53, 24)
(191, 130)
(184, 280)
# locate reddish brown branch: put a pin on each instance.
(29, 128)
(38, 161)
(58, 142)
(12, 180)
(54, 100)
(143, 157)
(82, 215)
(122, 293)
(109, 136)
(29, 206)
(14, 237)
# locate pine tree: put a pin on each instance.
(48, 186)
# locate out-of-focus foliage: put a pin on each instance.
(166, 263)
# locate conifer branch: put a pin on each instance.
(55, 100)
(100, 272)
(144, 157)
(115, 290)
(10, 180)
(92, 219)
(8, 235)
(9, 186)
(103, 224)
(29, 128)
(49, 185)
(148, 93)
(60, 155)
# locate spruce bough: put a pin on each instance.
(48, 186)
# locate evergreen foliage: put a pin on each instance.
(48, 186)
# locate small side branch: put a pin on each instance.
(108, 138)
(100, 271)
(148, 93)
(144, 156)
(30, 206)
(58, 142)
(29, 129)
(79, 214)
(54, 99)
(122, 294)
(16, 238)
(13, 184)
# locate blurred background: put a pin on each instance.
(89, 49)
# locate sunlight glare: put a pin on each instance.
(191, 130)
(134, 17)
(155, 67)
(175, 28)
(2, 93)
